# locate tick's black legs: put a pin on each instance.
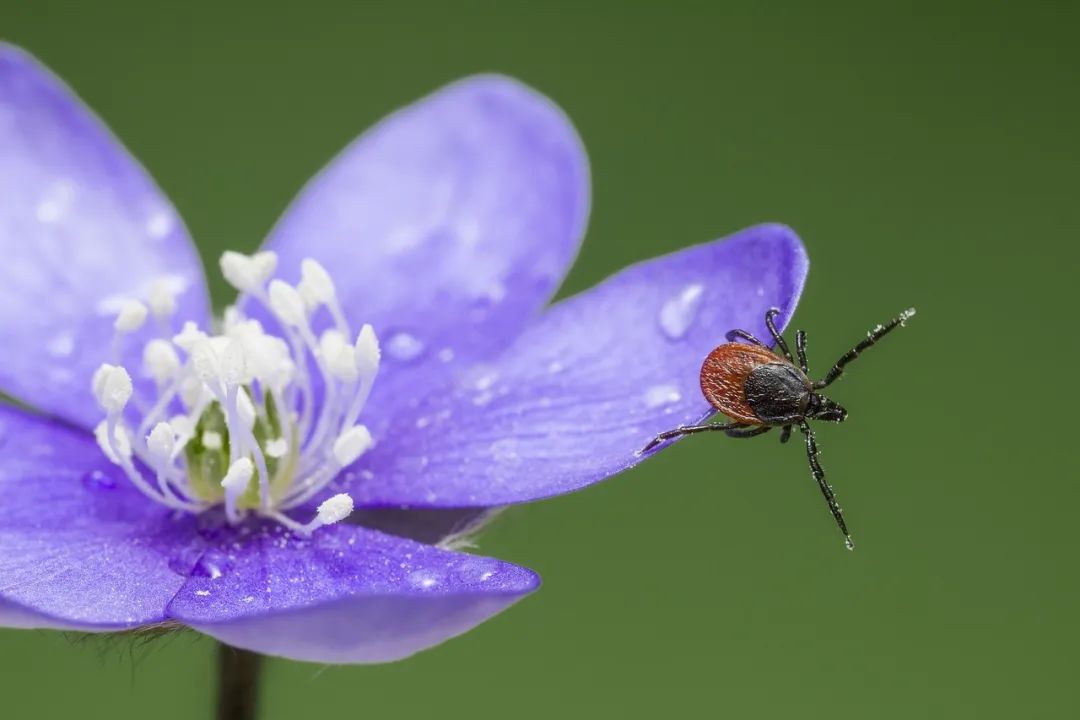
(871, 337)
(770, 322)
(731, 335)
(826, 490)
(785, 434)
(800, 349)
(690, 430)
(748, 432)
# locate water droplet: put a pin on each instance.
(660, 395)
(98, 480)
(404, 347)
(423, 579)
(159, 224)
(202, 593)
(213, 564)
(61, 345)
(505, 451)
(678, 313)
(446, 355)
(555, 367)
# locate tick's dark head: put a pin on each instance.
(822, 408)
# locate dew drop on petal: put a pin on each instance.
(423, 579)
(677, 314)
(661, 395)
(404, 347)
(159, 224)
(97, 480)
(213, 564)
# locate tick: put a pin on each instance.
(759, 390)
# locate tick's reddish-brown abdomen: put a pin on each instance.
(723, 378)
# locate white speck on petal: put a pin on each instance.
(660, 395)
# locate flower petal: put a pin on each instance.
(584, 389)
(446, 226)
(80, 548)
(345, 595)
(81, 226)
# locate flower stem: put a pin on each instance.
(238, 683)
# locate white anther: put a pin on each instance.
(367, 351)
(315, 287)
(287, 304)
(248, 273)
(161, 442)
(162, 298)
(160, 360)
(183, 426)
(188, 336)
(351, 444)
(277, 448)
(233, 363)
(122, 441)
(193, 392)
(238, 477)
(205, 360)
(245, 409)
(131, 317)
(339, 355)
(112, 388)
(333, 510)
(212, 440)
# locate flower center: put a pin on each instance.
(257, 422)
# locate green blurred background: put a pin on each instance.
(927, 153)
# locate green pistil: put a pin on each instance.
(206, 466)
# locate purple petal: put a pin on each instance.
(81, 225)
(446, 226)
(79, 547)
(345, 595)
(585, 388)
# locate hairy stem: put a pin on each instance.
(238, 683)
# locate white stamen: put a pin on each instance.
(161, 442)
(245, 409)
(188, 336)
(121, 442)
(131, 317)
(238, 476)
(248, 273)
(334, 510)
(160, 360)
(162, 299)
(252, 380)
(339, 355)
(351, 444)
(367, 351)
(277, 448)
(287, 304)
(316, 286)
(112, 388)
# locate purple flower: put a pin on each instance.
(175, 471)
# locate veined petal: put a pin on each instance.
(345, 595)
(446, 226)
(588, 385)
(82, 227)
(79, 547)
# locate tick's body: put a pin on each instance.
(754, 385)
(759, 390)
